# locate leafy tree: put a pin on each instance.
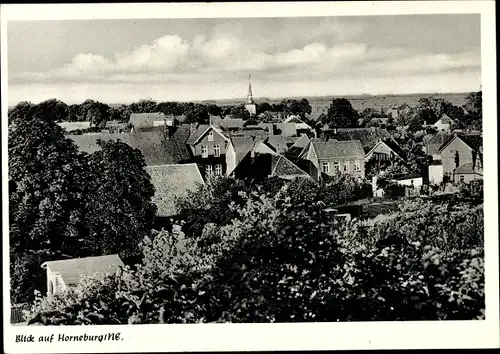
(74, 114)
(341, 114)
(47, 176)
(168, 108)
(214, 110)
(263, 107)
(56, 109)
(120, 113)
(416, 123)
(95, 112)
(144, 106)
(299, 107)
(118, 202)
(474, 104)
(196, 113)
(19, 111)
(210, 203)
(240, 112)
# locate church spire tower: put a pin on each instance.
(249, 94)
(250, 105)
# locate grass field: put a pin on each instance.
(362, 102)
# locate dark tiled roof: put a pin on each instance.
(231, 123)
(145, 119)
(249, 133)
(401, 177)
(287, 129)
(72, 270)
(290, 140)
(151, 144)
(334, 148)
(282, 167)
(467, 168)
(242, 146)
(395, 147)
(197, 133)
(434, 144)
(172, 182)
(316, 116)
(368, 137)
(474, 141)
(277, 142)
(180, 137)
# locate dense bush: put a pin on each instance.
(279, 263)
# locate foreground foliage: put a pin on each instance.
(278, 263)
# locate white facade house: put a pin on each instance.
(444, 123)
(66, 273)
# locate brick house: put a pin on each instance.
(208, 145)
(327, 157)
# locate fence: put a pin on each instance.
(16, 313)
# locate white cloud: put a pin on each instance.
(221, 58)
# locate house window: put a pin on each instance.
(462, 178)
(211, 136)
(218, 170)
(356, 166)
(204, 151)
(217, 150)
(209, 170)
(325, 167)
(336, 166)
(345, 166)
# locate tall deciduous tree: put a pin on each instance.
(341, 114)
(47, 176)
(118, 204)
(240, 112)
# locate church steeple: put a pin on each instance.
(249, 95)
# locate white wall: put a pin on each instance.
(436, 174)
(415, 182)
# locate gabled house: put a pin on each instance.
(300, 125)
(149, 121)
(297, 147)
(467, 172)
(369, 137)
(445, 123)
(386, 149)
(208, 146)
(328, 157)
(172, 182)
(63, 274)
(254, 159)
(237, 150)
(114, 126)
(460, 149)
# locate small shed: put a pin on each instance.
(66, 273)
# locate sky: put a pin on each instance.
(121, 61)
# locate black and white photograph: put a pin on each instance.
(288, 164)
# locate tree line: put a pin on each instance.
(98, 113)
